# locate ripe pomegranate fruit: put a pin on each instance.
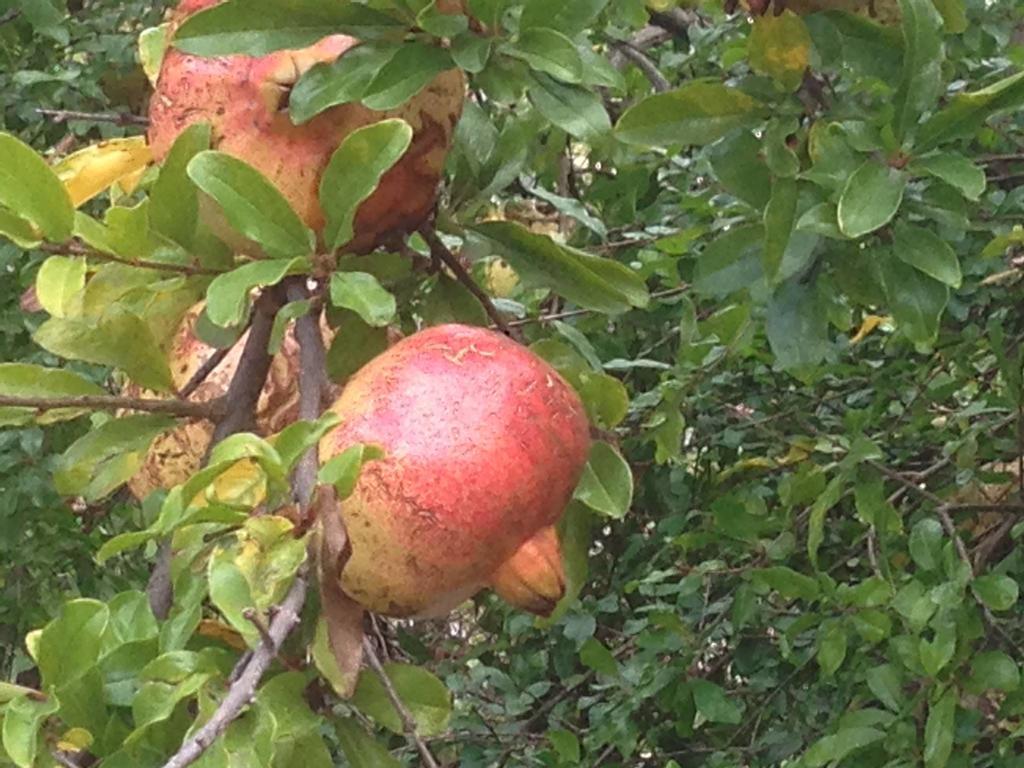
(245, 99)
(175, 455)
(483, 446)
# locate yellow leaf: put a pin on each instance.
(215, 630)
(96, 168)
(75, 740)
(780, 47)
(871, 322)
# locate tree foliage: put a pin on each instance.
(776, 251)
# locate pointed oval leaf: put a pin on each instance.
(227, 297)
(576, 110)
(551, 52)
(923, 249)
(251, 204)
(607, 482)
(405, 74)
(58, 283)
(870, 199)
(30, 189)
(599, 284)
(339, 82)
(954, 169)
(923, 54)
(364, 295)
(698, 113)
(355, 170)
(423, 694)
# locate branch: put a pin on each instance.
(117, 118)
(208, 410)
(244, 687)
(254, 362)
(408, 723)
(203, 373)
(312, 388)
(246, 385)
(76, 248)
(9, 16)
(667, 293)
(644, 63)
(440, 252)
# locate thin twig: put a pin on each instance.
(184, 409)
(408, 723)
(243, 689)
(668, 292)
(203, 373)
(441, 252)
(76, 248)
(117, 118)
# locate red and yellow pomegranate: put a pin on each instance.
(245, 99)
(175, 455)
(483, 446)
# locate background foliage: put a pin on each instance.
(821, 402)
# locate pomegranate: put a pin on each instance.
(175, 455)
(483, 445)
(245, 99)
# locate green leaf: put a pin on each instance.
(780, 47)
(832, 749)
(938, 730)
(569, 17)
(58, 283)
(730, 262)
(886, 685)
(31, 190)
(779, 216)
(816, 519)
(925, 543)
(25, 380)
(738, 164)
(994, 670)
(698, 113)
(576, 110)
(590, 281)
(422, 693)
(831, 647)
(258, 27)
(997, 591)
(788, 583)
(923, 249)
(227, 297)
(451, 302)
(954, 169)
(605, 398)
(361, 749)
(713, 704)
(174, 200)
(355, 171)
(69, 646)
(870, 199)
(341, 81)
(596, 656)
(405, 74)
(252, 205)
(921, 81)
(566, 745)
(22, 720)
(361, 293)
(18, 230)
(355, 344)
(342, 471)
(797, 326)
(123, 341)
(551, 52)
(299, 436)
(968, 111)
(607, 482)
(107, 456)
(917, 301)
(936, 653)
